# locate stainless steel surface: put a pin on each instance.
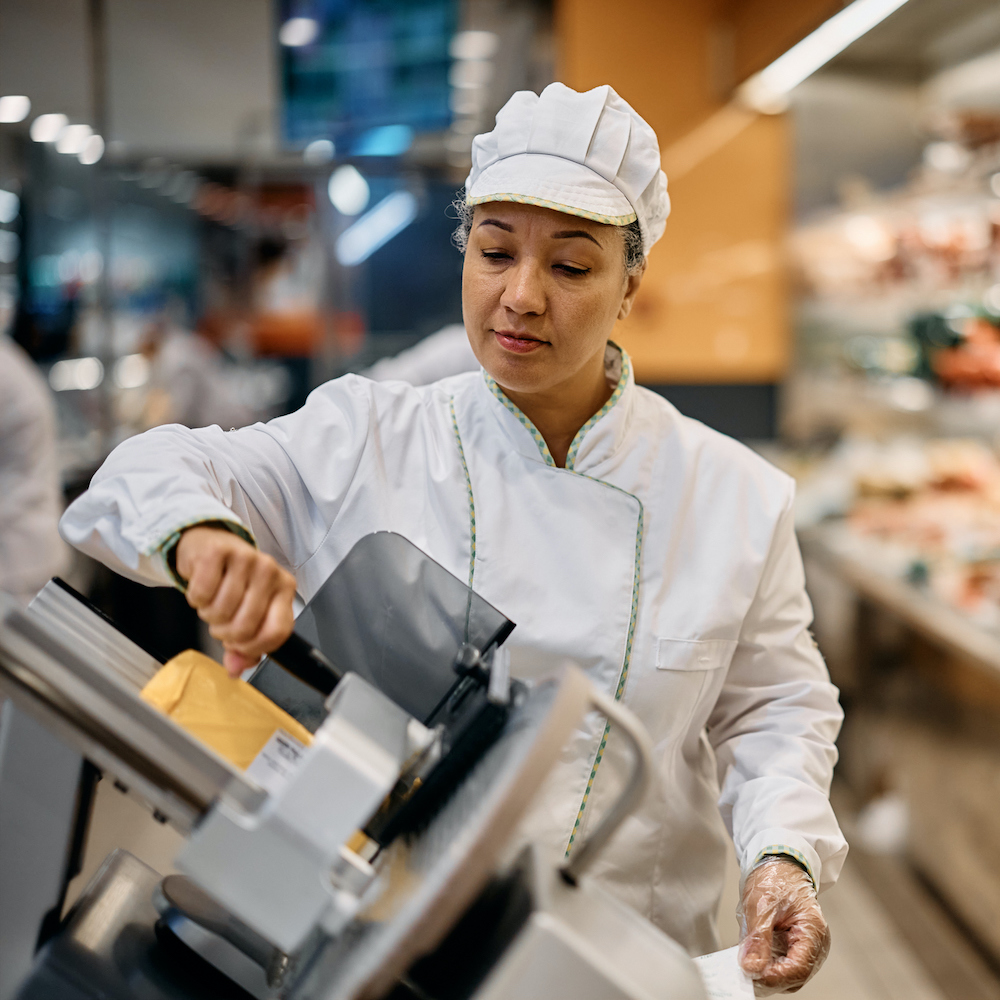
(178, 898)
(580, 942)
(57, 609)
(432, 880)
(109, 949)
(290, 845)
(120, 893)
(221, 953)
(39, 777)
(78, 689)
(631, 795)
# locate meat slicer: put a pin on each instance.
(383, 860)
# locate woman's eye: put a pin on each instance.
(496, 255)
(569, 269)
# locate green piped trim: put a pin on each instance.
(516, 410)
(582, 432)
(777, 850)
(168, 547)
(615, 396)
(581, 213)
(472, 499)
(628, 653)
(570, 461)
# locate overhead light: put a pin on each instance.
(76, 373)
(73, 138)
(375, 228)
(10, 205)
(319, 151)
(871, 238)
(946, 157)
(10, 246)
(298, 31)
(14, 108)
(474, 45)
(93, 150)
(386, 140)
(348, 190)
(131, 371)
(47, 128)
(767, 91)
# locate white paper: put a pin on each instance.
(276, 762)
(724, 976)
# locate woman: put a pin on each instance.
(656, 553)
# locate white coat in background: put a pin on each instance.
(192, 378)
(446, 352)
(662, 559)
(31, 550)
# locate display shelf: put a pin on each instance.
(833, 546)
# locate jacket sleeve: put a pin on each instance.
(775, 724)
(260, 478)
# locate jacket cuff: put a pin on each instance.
(167, 549)
(781, 841)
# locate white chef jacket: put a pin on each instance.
(662, 559)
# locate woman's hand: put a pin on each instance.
(785, 938)
(243, 594)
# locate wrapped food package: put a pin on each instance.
(233, 718)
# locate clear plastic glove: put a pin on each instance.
(784, 936)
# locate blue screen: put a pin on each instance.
(373, 64)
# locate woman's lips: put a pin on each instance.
(519, 344)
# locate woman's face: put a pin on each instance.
(541, 292)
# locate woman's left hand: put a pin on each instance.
(785, 938)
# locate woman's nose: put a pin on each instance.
(525, 289)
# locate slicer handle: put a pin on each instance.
(307, 663)
(632, 794)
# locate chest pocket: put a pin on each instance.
(694, 654)
(687, 673)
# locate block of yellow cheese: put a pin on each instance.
(232, 717)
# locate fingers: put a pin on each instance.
(755, 951)
(786, 938)
(243, 594)
(264, 618)
(203, 580)
(808, 943)
(235, 663)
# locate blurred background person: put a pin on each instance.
(446, 352)
(31, 550)
(189, 382)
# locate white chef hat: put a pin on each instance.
(585, 154)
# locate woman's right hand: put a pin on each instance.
(243, 594)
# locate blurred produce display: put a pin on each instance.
(907, 282)
(927, 511)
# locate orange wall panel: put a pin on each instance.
(713, 306)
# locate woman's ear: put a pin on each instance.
(632, 283)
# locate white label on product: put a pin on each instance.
(276, 762)
(724, 976)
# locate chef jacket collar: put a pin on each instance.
(596, 440)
